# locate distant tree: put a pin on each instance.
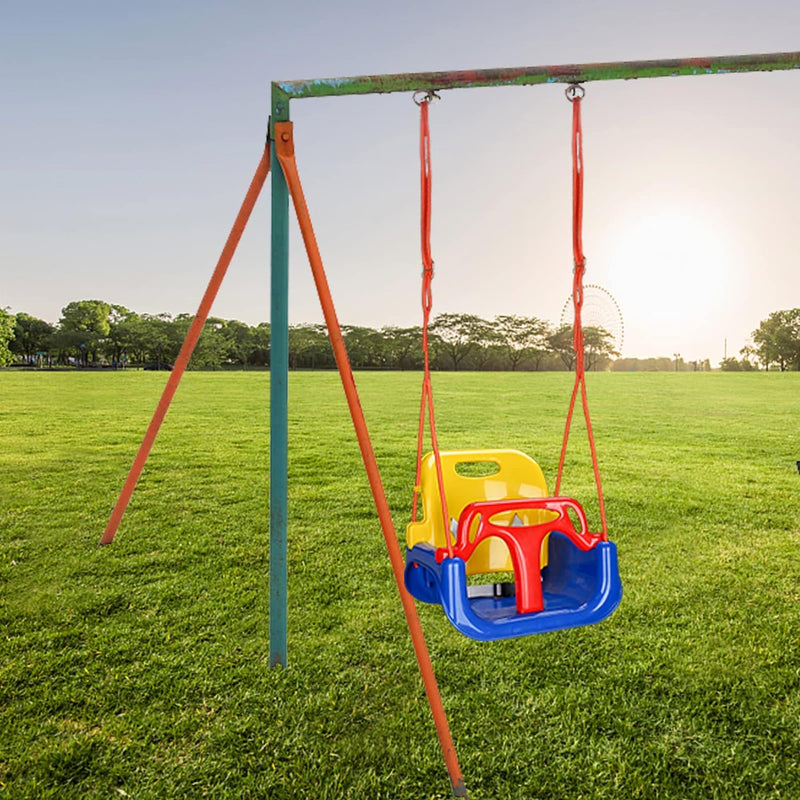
(540, 351)
(213, 347)
(31, 336)
(777, 340)
(7, 323)
(521, 338)
(125, 336)
(241, 342)
(259, 355)
(459, 335)
(309, 347)
(87, 315)
(730, 364)
(403, 347)
(85, 325)
(365, 346)
(749, 358)
(560, 343)
(598, 346)
(160, 337)
(489, 356)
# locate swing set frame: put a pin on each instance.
(285, 183)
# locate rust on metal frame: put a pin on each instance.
(284, 91)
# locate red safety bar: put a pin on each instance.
(524, 541)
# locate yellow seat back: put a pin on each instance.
(512, 475)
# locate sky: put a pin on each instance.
(130, 132)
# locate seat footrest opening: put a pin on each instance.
(492, 590)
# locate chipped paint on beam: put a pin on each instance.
(284, 91)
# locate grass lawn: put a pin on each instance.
(140, 669)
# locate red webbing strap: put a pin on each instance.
(577, 299)
(426, 403)
(193, 334)
(284, 149)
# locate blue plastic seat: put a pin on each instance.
(565, 577)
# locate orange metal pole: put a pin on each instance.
(284, 149)
(195, 329)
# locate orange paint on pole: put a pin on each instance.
(284, 148)
(188, 346)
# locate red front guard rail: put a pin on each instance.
(524, 541)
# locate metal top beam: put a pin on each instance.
(284, 91)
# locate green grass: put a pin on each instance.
(141, 669)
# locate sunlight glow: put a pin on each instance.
(671, 264)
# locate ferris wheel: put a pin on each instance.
(600, 310)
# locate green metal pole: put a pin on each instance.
(527, 76)
(278, 415)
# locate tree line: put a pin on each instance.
(93, 333)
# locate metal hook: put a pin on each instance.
(575, 92)
(427, 96)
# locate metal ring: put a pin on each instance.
(427, 96)
(575, 91)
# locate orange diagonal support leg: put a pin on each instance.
(189, 343)
(284, 148)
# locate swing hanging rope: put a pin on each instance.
(575, 94)
(426, 403)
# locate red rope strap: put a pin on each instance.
(575, 95)
(426, 403)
